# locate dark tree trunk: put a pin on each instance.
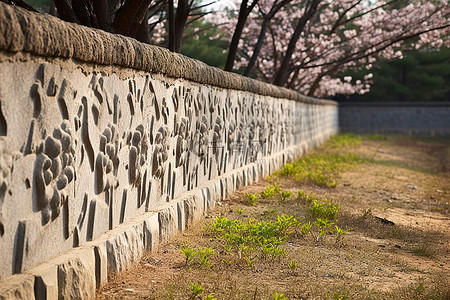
(142, 34)
(262, 34)
(65, 11)
(171, 21)
(181, 17)
(130, 17)
(258, 46)
(282, 75)
(52, 9)
(244, 11)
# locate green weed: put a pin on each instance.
(324, 209)
(205, 254)
(285, 195)
(302, 196)
(293, 265)
(340, 233)
(320, 169)
(251, 199)
(344, 140)
(270, 212)
(270, 191)
(277, 296)
(189, 253)
(240, 211)
(254, 236)
(196, 290)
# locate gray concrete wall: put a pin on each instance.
(108, 146)
(424, 118)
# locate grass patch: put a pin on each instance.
(251, 238)
(320, 169)
(344, 140)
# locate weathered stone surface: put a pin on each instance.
(151, 232)
(46, 281)
(17, 287)
(124, 247)
(76, 274)
(168, 222)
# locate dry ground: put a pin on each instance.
(396, 203)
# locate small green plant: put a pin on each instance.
(277, 296)
(189, 253)
(285, 195)
(205, 254)
(320, 169)
(340, 233)
(422, 249)
(240, 211)
(253, 236)
(324, 209)
(302, 196)
(367, 212)
(251, 198)
(270, 191)
(293, 265)
(344, 140)
(323, 225)
(210, 297)
(270, 211)
(306, 228)
(196, 290)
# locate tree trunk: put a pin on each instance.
(130, 17)
(283, 72)
(244, 11)
(181, 16)
(171, 21)
(258, 46)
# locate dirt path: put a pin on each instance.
(396, 204)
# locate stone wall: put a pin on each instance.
(425, 118)
(107, 146)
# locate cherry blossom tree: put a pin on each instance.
(311, 42)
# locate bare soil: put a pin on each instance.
(397, 205)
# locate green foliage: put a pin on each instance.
(270, 211)
(320, 169)
(324, 209)
(205, 254)
(270, 191)
(419, 76)
(277, 296)
(285, 195)
(240, 211)
(340, 233)
(41, 5)
(210, 297)
(375, 137)
(293, 265)
(344, 140)
(189, 253)
(302, 196)
(196, 290)
(251, 199)
(248, 237)
(306, 228)
(205, 42)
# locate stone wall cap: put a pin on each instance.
(47, 36)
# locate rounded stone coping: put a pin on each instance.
(47, 36)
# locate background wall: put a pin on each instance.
(97, 130)
(427, 118)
